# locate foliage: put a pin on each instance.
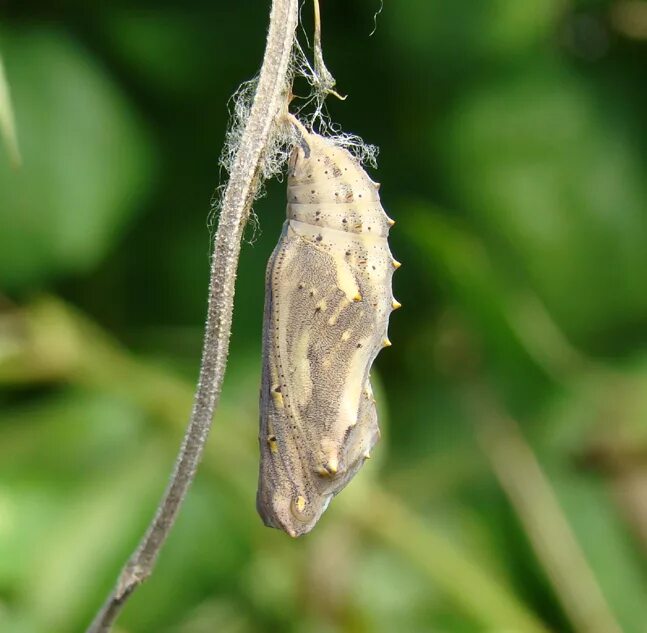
(512, 157)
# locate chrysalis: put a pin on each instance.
(327, 306)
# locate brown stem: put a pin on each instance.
(269, 102)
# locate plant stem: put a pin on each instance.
(269, 101)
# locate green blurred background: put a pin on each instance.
(509, 492)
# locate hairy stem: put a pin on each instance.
(269, 102)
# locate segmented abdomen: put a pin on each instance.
(327, 308)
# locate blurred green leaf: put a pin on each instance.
(89, 431)
(86, 162)
(215, 615)
(56, 525)
(601, 409)
(462, 35)
(518, 351)
(93, 525)
(550, 171)
(167, 47)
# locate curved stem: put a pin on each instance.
(269, 101)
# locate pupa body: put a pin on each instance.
(327, 306)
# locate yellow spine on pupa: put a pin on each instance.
(328, 301)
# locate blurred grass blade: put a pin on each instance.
(473, 590)
(7, 121)
(507, 316)
(548, 530)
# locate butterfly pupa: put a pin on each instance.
(327, 306)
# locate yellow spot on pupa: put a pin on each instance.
(323, 472)
(390, 221)
(357, 297)
(332, 320)
(396, 305)
(322, 306)
(386, 342)
(332, 466)
(298, 507)
(273, 444)
(367, 455)
(345, 335)
(396, 264)
(277, 397)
